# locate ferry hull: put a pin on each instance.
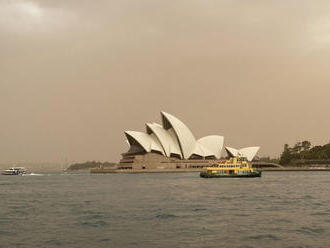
(15, 171)
(9, 174)
(216, 175)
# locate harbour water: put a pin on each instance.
(280, 209)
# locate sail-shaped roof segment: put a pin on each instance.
(184, 135)
(166, 140)
(175, 147)
(212, 143)
(147, 142)
(232, 152)
(156, 145)
(202, 151)
(248, 152)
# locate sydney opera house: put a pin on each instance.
(173, 146)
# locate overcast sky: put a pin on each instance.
(75, 74)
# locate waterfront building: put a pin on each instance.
(172, 145)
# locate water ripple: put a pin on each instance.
(165, 210)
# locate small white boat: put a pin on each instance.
(15, 171)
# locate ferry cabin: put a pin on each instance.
(234, 166)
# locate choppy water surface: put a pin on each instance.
(165, 210)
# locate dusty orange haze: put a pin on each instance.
(75, 74)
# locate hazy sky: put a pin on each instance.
(75, 74)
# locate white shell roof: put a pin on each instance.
(213, 143)
(248, 152)
(174, 137)
(148, 142)
(175, 147)
(165, 138)
(231, 151)
(202, 151)
(184, 135)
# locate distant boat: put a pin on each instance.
(15, 171)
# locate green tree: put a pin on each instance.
(306, 145)
(286, 155)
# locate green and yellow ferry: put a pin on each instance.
(233, 167)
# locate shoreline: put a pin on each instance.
(116, 171)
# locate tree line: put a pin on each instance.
(304, 151)
(90, 164)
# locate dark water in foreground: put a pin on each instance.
(165, 210)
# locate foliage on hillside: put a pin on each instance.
(90, 164)
(304, 151)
